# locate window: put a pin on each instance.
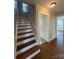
(15, 7)
(24, 7)
(60, 23)
(15, 4)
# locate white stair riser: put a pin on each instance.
(34, 54)
(22, 31)
(24, 24)
(25, 35)
(24, 27)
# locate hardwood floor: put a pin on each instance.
(51, 51)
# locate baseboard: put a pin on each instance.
(43, 43)
(51, 41)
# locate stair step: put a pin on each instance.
(22, 20)
(25, 45)
(34, 54)
(24, 27)
(25, 41)
(21, 52)
(30, 53)
(24, 31)
(38, 56)
(24, 35)
(20, 25)
(23, 24)
(27, 23)
(24, 38)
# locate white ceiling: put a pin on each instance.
(58, 8)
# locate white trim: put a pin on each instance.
(42, 42)
(25, 49)
(22, 31)
(25, 41)
(25, 35)
(44, 38)
(24, 24)
(34, 54)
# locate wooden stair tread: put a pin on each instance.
(25, 33)
(18, 40)
(24, 29)
(25, 45)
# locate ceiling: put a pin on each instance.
(58, 8)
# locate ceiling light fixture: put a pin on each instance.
(53, 4)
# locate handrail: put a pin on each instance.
(33, 26)
(15, 34)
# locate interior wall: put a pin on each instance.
(43, 11)
(52, 32)
(43, 25)
(53, 24)
(60, 13)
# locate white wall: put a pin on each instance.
(51, 22)
(44, 11)
(52, 31)
(43, 26)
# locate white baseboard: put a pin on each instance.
(42, 43)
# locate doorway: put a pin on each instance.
(60, 31)
(43, 28)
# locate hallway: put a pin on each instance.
(36, 34)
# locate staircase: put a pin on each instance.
(26, 46)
